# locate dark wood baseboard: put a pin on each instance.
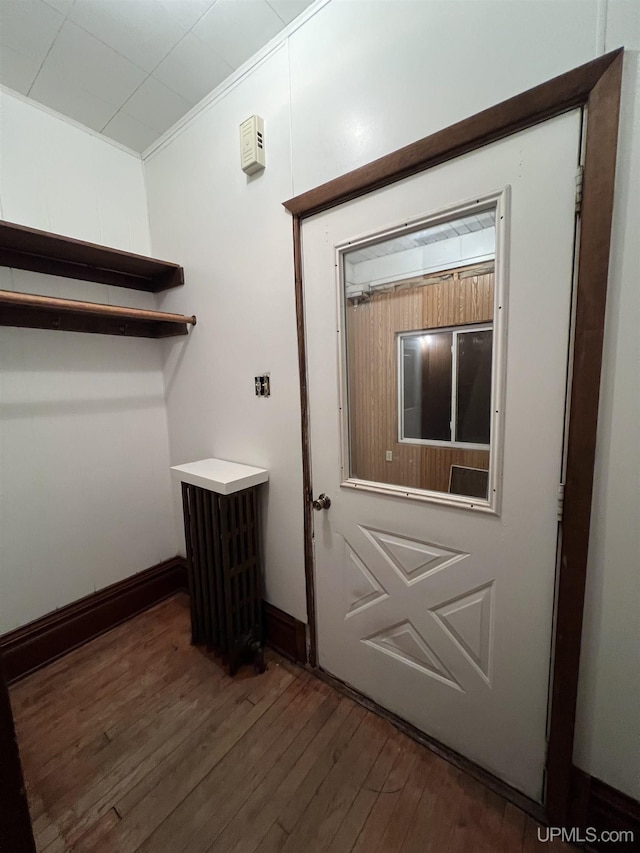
(610, 809)
(48, 638)
(600, 808)
(52, 636)
(285, 634)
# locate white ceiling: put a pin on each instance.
(131, 68)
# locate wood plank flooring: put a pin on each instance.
(140, 742)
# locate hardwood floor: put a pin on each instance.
(139, 741)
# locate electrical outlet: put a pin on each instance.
(262, 385)
(389, 456)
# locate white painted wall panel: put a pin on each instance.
(234, 238)
(363, 79)
(608, 724)
(369, 76)
(85, 495)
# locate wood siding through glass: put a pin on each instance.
(425, 302)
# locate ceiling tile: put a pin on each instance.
(192, 69)
(28, 27)
(17, 71)
(186, 12)
(63, 6)
(130, 132)
(236, 29)
(62, 91)
(143, 31)
(289, 9)
(92, 66)
(156, 106)
(131, 67)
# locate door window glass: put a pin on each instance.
(418, 317)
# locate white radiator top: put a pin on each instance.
(220, 475)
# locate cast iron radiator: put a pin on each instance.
(223, 555)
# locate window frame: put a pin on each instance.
(455, 332)
(500, 199)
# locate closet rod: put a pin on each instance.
(50, 303)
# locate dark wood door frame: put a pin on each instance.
(595, 87)
(15, 822)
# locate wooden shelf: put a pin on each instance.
(26, 310)
(40, 251)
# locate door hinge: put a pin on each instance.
(560, 501)
(579, 182)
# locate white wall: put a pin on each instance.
(85, 495)
(234, 239)
(608, 723)
(355, 82)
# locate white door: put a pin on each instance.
(437, 428)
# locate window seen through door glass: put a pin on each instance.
(442, 374)
(427, 364)
(419, 314)
(473, 387)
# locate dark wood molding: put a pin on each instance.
(41, 251)
(600, 808)
(474, 770)
(284, 633)
(611, 810)
(306, 444)
(40, 642)
(15, 823)
(595, 87)
(591, 285)
(578, 798)
(31, 311)
(525, 110)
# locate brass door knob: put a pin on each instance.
(322, 502)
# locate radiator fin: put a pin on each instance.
(223, 555)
